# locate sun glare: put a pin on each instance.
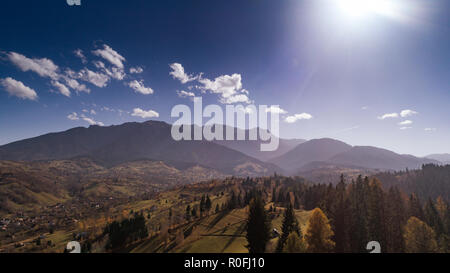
(361, 8)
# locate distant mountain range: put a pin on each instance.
(310, 151)
(253, 147)
(113, 145)
(318, 153)
(444, 158)
(151, 140)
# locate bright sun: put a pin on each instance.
(360, 8)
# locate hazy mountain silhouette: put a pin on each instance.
(444, 158)
(117, 144)
(377, 158)
(308, 155)
(253, 147)
(310, 151)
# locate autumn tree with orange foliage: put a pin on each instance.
(318, 234)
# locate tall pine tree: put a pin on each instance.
(258, 227)
(290, 224)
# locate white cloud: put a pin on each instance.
(73, 116)
(79, 53)
(405, 128)
(228, 87)
(294, 118)
(138, 112)
(74, 84)
(105, 108)
(110, 55)
(235, 99)
(179, 74)
(43, 67)
(275, 109)
(430, 129)
(390, 115)
(138, 86)
(91, 121)
(184, 94)
(18, 89)
(136, 70)
(61, 88)
(407, 113)
(96, 78)
(364, 107)
(405, 122)
(113, 72)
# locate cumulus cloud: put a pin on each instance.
(68, 80)
(296, 117)
(74, 84)
(43, 67)
(430, 129)
(179, 74)
(18, 89)
(138, 86)
(229, 87)
(113, 72)
(184, 94)
(91, 121)
(389, 115)
(235, 99)
(61, 88)
(110, 55)
(73, 116)
(275, 109)
(96, 78)
(407, 113)
(405, 128)
(138, 112)
(405, 122)
(79, 53)
(136, 70)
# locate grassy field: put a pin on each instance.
(223, 232)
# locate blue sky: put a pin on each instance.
(344, 65)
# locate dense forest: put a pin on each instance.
(352, 213)
(431, 181)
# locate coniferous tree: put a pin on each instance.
(358, 224)
(376, 214)
(294, 244)
(188, 213)
(433, 219)
(415, 207)
(217, 208)
(290, 224)
(194, 212)
(202, 205)
(395, 220)
(208, 204)
(258, 227)
(341, 218)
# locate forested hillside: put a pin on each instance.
(429, 182)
